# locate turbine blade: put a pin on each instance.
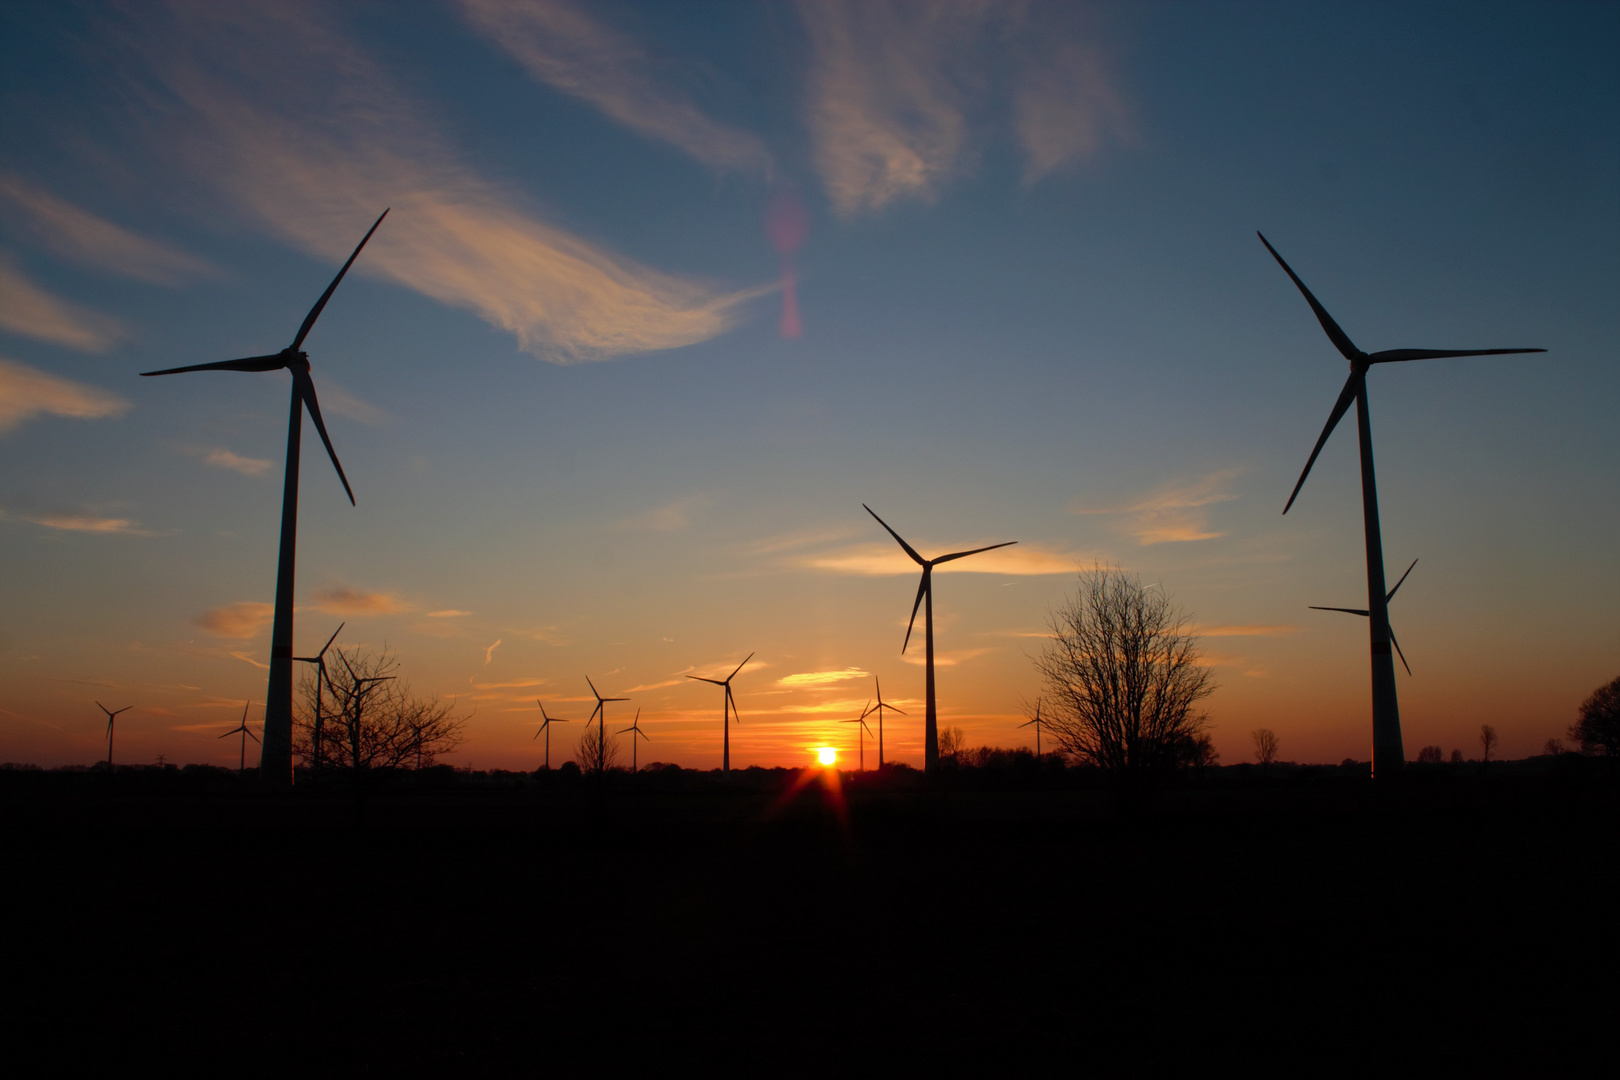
(1391, 356)
(315, 312)
(306, 390)
(735, 715)
(331, 639)
(250, 734)
(644, 735)
(1391, 594)
(975, 551)
(231, 732)
(1346, 610)
(891, 708)
(1346, 396)
(543, 715)
(251, 363)
(1398, 652)
(1340, 339)
(909, 549)
(922, 587)
(733, 675)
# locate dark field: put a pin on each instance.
(749, 927)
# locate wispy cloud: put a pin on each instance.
(336, 401)
(249, 658)
(561, 45)
(27, 392)
(878, 559)
(29, 310)
(899, 90)
(811, 537)
(243, 619)
(945, 659)
(1176, 512)
(673, 516)
(489, 653)
(517, 684)
(342, 600)
(447, 613)
(82, 237)
(307, 133)
(1247, 631)
(221, 458)
(816, 679)
(89, 523)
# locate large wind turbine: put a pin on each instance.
(1036, 724)
(1387, 753)
(728, 709)
(599, 714)
(635, 730)
(546, 727)
(861, 732)
(275, 759)
(241, 763)
(925, 591)
(878, 708)
(111, 715)
(319, 660)
(1364, 614)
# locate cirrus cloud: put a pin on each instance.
(243, 619)
(27, 392)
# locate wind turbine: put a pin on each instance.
(635, 727)
(546, 727)
(358, 689)
(728, 709)
(241, 764)
(601, 737)
(925, 590)
(1363, 613)
(275, 760)
(878, 708)
(1037, 722)
(319, 660)
(111, 714)
(861, 732)
(1388, 755)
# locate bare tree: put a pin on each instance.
(371, 720)
(1598, 729)
(586, 753)
(1487, 739)
(1552, 747)
(1265, 746)
(952, 744)
(1431, 755)
(1123, 677)
(1456, 757)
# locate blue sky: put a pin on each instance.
(1033, 307)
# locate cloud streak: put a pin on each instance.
(243, 619)
(27, 392)
(342, 600)
(80, 236)
(29, 310)
(559, 44)
(878, 560)
(89, 523)
(220, 458)
(1174, 513)
(311, 137)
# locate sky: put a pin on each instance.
(667, 292)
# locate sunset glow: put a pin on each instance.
(827, 755)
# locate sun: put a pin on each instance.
(827, 755)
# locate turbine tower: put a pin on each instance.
(925, 591)
(635, 730)
(728, 709)
(275, 759)
(1037, 722)
(861, 732)
(319, 660)
(111, 715)
(599, 714)
(1362, 612)
(241, 764)
(1387, 752)
(546, 727)
(878, 708)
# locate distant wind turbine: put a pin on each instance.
(635, 730)
(728, 709)
(925, 591)
(861, 732)
(241, 764)
(599, 714)
(319, 660)
(275, 759)
(111, 715)
(359, 688)
(878, 708)
(1363, 613)
(1388, 754)
(546, 727)
(1036, 723)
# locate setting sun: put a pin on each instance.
(827, 755)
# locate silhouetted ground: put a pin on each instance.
(1309, 924)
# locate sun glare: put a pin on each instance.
(827, 755)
